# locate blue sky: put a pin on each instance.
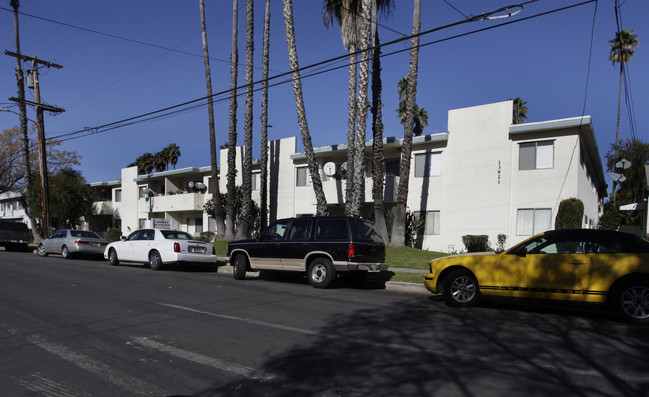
(104, 79)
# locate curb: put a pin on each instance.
(394, 286)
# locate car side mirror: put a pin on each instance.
(522, 252)
(123, 238)
(257, 236)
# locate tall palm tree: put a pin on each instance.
(216, 194)
(520, 111)
(347, 13)
(399, 222)
(421, 115)
(245, 221)
(230, 216)
(378, 174)
(622, 49)
(264, 120)
(321, 200)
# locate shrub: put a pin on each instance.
(114, 234)
(206, 236)
(570, 214)
(476, 243)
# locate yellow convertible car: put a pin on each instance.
(571, 265)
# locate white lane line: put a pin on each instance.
(125, 381)
(209, 361)
(37, 383)
(534, 364)
(296, 330)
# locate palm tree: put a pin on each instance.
(347, 13)
(220, 224)
(520, 111)
(321, 200)
(173, 153)
(232, 143)
(264, 120)
(399, 222)
(621, 52)
(378, 174)
(244, 224)
(421, 115)
(160, 161)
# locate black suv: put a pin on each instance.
(321, 246)
(14, 236)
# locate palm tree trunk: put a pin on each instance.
(377, 147)
(244, 222)
(321, 200)
(351, 131)
(264, 120)
(220, 224)
(399, 223)
(230, 212)
(363, 82)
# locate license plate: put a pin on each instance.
(197, 250)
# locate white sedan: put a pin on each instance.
(158, 247)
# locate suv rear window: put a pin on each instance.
(365, 231)
(331, 229)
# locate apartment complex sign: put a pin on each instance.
(161, 223)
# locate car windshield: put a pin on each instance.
(176, 235)
(83, 233)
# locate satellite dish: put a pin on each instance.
(200, 186)
(617, 177)
(329, 168)
(343, 168)
(624, 164)
(190, 185)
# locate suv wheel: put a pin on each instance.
(321, 273)
(240, 265)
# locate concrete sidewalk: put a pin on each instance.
(395, 286)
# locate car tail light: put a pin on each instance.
(176, 247)
(82, 242)
(351, 251)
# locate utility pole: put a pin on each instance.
(42, 151)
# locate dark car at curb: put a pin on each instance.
(320, 246)
(14, 236)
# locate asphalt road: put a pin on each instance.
(83, 328)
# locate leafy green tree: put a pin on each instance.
(520, 111)
(420, 115)
(570, 214)
(637, 152)
(70, 198)
(622, 49)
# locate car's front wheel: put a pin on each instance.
(155, 260)
(321, 273)
(112, 257)
(461, 289)
(41, 250)
(239, 265)
(631, 300)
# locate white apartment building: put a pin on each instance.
(483, 176)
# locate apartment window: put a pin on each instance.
(533, 221)
(392, 167)
(118, 195)
(301, 176)
(536, 155)
(195, 225)
(142, 190)
(140, 223)
(428, 164)
(431, 222)
(256, 181)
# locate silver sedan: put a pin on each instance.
(70, 242)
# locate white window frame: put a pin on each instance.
(298, 177)
(542, 153)
(431, 222)
(434, 160)
(256, 181)
(532, 221)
